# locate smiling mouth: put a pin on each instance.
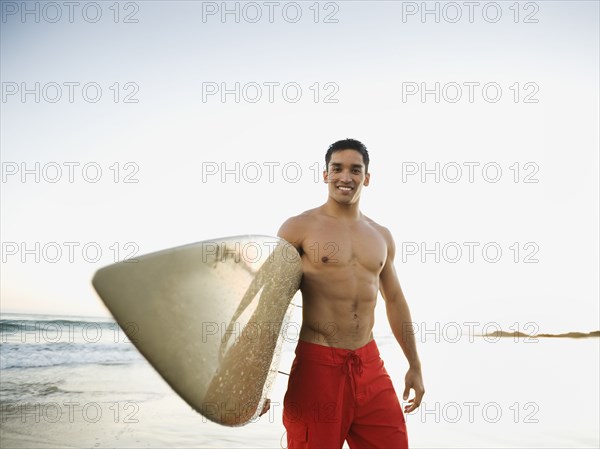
(345, 189)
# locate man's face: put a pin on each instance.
(346, 176)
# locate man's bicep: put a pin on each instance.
(290, 232)
(388, 281)
(389, 286)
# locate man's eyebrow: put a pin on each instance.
(337, 164)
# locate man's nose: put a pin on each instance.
(346, 176)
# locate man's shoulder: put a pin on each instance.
(376, 225)
(294, 228)
(385, 232)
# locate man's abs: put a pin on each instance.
(339, 310)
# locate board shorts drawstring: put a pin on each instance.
(352, 364)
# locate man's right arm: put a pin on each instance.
(291, 231)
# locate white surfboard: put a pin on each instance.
(208, 317)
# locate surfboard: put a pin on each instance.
(208, 316)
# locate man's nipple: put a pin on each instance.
(324, 259)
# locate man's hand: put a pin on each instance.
(266, 407)
(414, 380)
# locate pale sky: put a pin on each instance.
(512, 93)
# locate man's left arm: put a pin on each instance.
(400, 321)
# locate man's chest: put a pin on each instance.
(341, 245)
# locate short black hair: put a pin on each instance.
(348, 144)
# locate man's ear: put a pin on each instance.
(325, 177)
(367, 178)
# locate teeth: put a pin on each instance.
(344, 188)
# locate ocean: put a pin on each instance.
(78, 382)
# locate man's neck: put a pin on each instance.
(342, 211)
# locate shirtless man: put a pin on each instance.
(338, 387)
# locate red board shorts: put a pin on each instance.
(337, 394)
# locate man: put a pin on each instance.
(338, 387)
